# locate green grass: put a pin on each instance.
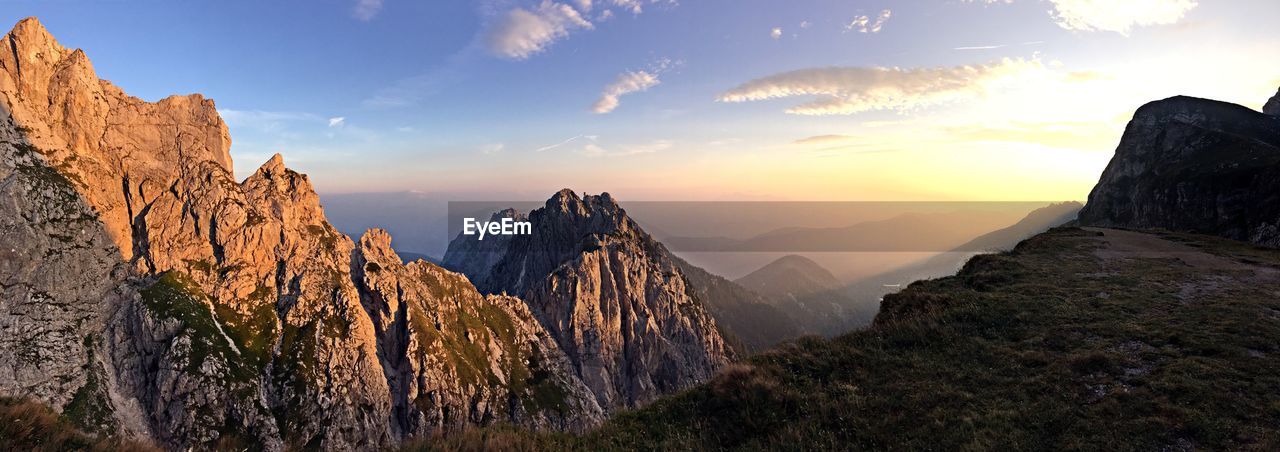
(176, 296)
(89, 409)
(1046, 347)
(521, 365)
(31, 426)
(255, 332)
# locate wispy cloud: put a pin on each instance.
(589, 138)
(595, 150)
(493, 148)
(521, 33)
(627, 83)
(823, 139)
(998, 46)
(849, 90)
(867, 24)
(1118, 16)
(337, 121)
(636, 6)
(591, 146)
(775, 33)
(366, 10)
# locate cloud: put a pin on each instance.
(1118, 16)
(775, 33)
(823, 139)
(521, 33)
(629, 5)
(337, 122)
(998, 46)
(865, 24)
(595, 150)
(589, 145)
(849, 90)
(366, 10)
(590, 138)
(647, 148)
(626, 83)
(494, 148)
(635, 6)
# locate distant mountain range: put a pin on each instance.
(809, 294)
(871, 289)
(749, 319)
(914, 231)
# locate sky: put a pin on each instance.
(805, 100)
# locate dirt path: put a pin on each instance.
(1137, 245)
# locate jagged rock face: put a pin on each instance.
(455, 357)
(1194, 165)
(1273, 105)
(474, 257)
(146, 292)
(617, 304)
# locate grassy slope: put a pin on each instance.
(1068, 342)
(29, 425)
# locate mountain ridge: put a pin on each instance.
(164, 300)
(611, 294)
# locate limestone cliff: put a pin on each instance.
(145, 292)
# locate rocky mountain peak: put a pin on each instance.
(375, 246)
(30, 40)
(284, 194)
(590, 274)
(1195, 165)
(1273, 105)
(274, 165)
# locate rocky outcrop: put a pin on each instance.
(145, 292)
(613, 298)
(1273, 105)
(454, 357)
(1194, 165)
(474, 257)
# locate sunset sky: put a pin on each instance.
(687, 100)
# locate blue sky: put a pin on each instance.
(504, 97)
